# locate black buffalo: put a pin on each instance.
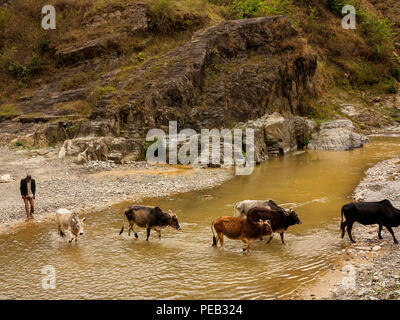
(149, 218)
(380, 212)
(280, 219)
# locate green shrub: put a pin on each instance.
(21, 72)
(378, 34)
(335, 6)
(43, 44)
(392, 87)
(396, 73)
(164, 16)
(278, 7)
(18, 143)
(221, 2)
(241, 9)
(140, 57)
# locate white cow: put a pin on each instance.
(68, 221)
(242, 208)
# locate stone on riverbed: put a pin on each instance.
(5, 178)
(337, 135)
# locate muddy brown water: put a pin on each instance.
(183, 265)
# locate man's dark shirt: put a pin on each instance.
(24, 187)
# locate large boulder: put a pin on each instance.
(275, 134)
(280, 135)
(337, 135)
(303, 130)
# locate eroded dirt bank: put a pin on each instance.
(369, 269)
(93, 186)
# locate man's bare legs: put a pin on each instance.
(29, 207)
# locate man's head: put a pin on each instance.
(28, 177)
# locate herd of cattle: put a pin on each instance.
(252, 220)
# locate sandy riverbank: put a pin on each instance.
(369, 269)
(91, 187)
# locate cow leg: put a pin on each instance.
(349, 227)
(148, 234)
(392, 233)
(246, 241)
(281, 234)
(136, 235)
(159, 233)
(60, 232)
(380, 232)
(343, 227)
(221, 239)
(270, 238)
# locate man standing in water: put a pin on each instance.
(28, 190)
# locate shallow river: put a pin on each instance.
(183, 265)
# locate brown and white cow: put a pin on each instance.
(69, 222)
(239, 229)
(149, 218)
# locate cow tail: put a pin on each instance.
(123, 224)
(214, 238)
(341, 221)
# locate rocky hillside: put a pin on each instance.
(115, 69)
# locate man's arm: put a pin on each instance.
(33, 186)
(21, 188)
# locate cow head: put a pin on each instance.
(293, 218)
(77, 224)
(173, 222)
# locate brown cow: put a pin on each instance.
(239, 229)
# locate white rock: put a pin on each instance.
(62, 152)
(337, 135)
(5, 178)
(376, 248)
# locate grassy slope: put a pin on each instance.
(349, 65)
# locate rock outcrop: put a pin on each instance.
(337, 135)
(119, 150)
(230, 73)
